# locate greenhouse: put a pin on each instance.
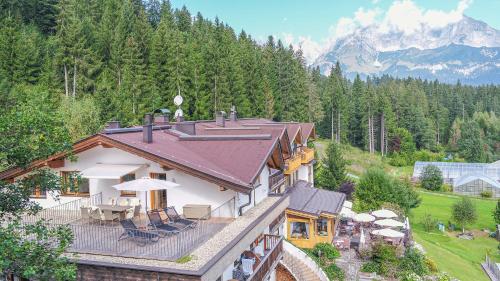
(475, 185)
(466, 178)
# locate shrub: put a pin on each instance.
(370, 266)
(431, 265)
(385, 256)
(347, 188)
(326, 250)
(428, 222)
(496, 212)
(431, 178)
(446, 188)
(411, 276)
(414, 261)
(334, 272)
(486, 194)
(444, 277)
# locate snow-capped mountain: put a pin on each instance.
(467, 50)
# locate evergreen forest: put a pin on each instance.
(68, 66)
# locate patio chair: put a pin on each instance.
(85, 212)
(164, 228)
(174, 217)
(108, 215)
(137, 210)
(123, 202)
(141, 237)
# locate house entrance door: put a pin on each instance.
(158, 197)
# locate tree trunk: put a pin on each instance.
(215, 95)
(333, 135)
(369, 133)
(382, 133)
(74, 79)
(66, 90)
(338, 126)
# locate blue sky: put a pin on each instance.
(315, 23)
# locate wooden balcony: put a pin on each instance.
(273, 246)
(292, 163)
(307, 155)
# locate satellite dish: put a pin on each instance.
(178, 113)
(178, 100)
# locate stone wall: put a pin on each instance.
(103, 273)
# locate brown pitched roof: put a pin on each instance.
(235, 160)
(236, 157)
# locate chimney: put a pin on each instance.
(186, 127)
(220, 119)
(162, 118)
(147, 129)
(232, 115)
(113, 125)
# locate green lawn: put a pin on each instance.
(460, 258)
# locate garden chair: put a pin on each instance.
(141, 237)
(174, 217)
(164, 228)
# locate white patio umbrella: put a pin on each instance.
(146, 184)
(389, 223)
(348, 204)
(387, 232)
(385, 214)
(364, 217)
(347, 213)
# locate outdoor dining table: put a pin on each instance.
(122, 210)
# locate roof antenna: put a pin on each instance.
(179, 115)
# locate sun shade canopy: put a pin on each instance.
(387, 232)
(145, 184)
(384, 213)
(109, 171)
(364, 217)
(389, 223)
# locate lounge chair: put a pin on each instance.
(141, 237)
(174, 217)
(164, 228)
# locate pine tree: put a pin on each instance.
(332, 172)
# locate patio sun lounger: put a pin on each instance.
(174, 217)
(141, 237)
(165, 228)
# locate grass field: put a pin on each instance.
(460, 258)
(360, 161)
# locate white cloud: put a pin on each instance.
(402, 15)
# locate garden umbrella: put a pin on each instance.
(384, 214)
(146, 184)
(389, 223)
(364, 217)
(347, 213)
(387, 232)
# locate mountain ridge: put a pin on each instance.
(467, 50)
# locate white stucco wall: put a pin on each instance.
(192, 190)
(260, 192)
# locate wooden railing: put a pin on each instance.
(273, 245)
(275, 180)
(307, 155)
(293, 163)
